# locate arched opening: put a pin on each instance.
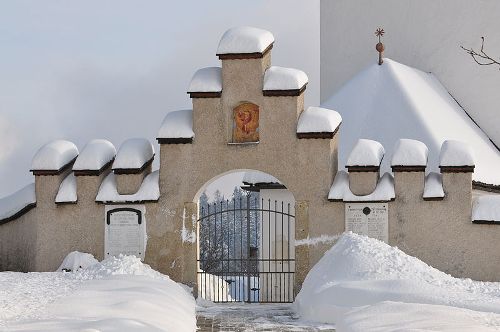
(246, 239)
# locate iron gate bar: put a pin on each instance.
(228, 274)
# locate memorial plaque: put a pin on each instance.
(125, 231)
(370, 219)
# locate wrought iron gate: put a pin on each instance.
(246, 250)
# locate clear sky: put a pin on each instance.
(79, 70)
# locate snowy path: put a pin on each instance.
(252, 317)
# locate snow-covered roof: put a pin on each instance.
(15, 203)
(281, 78)
(340, 189)
(206, 80)
(409, 152)
(366, 153)
(149, 190)
(95, 155)
(134, 153)
(433, 187)
(54, 155)
(318, 120)
(177, 124)
(486, 208)
(455, 154)
(245, 40)
(67, 190)
(258, 177)
(391, 101)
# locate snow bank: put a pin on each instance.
(95, 155)
(340, 189)
(67, 190)
(456, 153)
(360, 273)
(410, 152)
(366, 153)
(433, 187)
(177, 124)
(54, 155)
(76, 260)
(486, 208)
(133, 154)
(318, 120)
(148, 191)
(10, 205)
(281, 78)
(245, 40)
(207, 79)
(254, 177)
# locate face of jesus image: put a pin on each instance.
(246, 118)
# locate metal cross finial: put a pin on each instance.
(380, 47)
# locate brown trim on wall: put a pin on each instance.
(239, 56)
(335, 200)
(485, 187)
(66, 203)
(456, 169)
(363, 168)
(284, 93)
(134, 170)
(18, 214)
(179, 140)
(430, 199)
(486, 222)
(318, 135)
(45, 172)
(401, 168)
(204, 94)
(93, 172)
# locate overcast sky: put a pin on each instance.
(79, 70)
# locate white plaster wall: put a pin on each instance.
(425, 34)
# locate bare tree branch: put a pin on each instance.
(481, 57)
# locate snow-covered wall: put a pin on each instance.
(425, 34)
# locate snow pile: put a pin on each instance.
(206, 80)
(148, 191)
(281, 78)
(133, 154)
(486, 208)
(391, 101)
(409, 152)
(177, 124)
(95, 155)
(67, 190)
(358, 276)
(433, 187)
(118, 294)
(76, 260)
(10, 205)
(456, 153)
(366, 153)
(340, 189)
(245, 40)
(318, 120)
(54, 155)
(255, 177)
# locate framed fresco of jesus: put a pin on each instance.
(246, 123)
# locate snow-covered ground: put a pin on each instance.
(118, 294)
(362, 284)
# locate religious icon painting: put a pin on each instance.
(246, 123)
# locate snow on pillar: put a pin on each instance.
(456, 162)
(363, 165)
(408, 164)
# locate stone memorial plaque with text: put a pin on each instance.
(370, 219)
(125, 231)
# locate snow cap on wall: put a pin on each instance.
(455, 154)
(366, 153)
(340, 190)
(54, 156)
(177, 124)
(433, 187)
(409, 152)
(486, 209)
(95, 155)
(318, 120)
(258, 177)
(21, 200)
(67, 190)
(245, 40)
(134, 153)
(207, 79)
(281, 78)
(149, 190)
